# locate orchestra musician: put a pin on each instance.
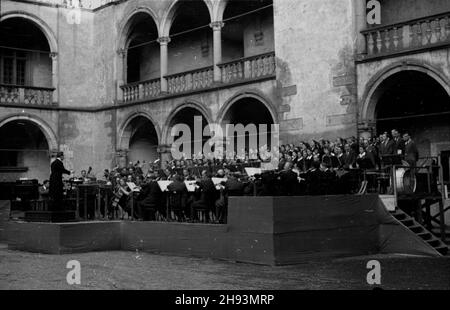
(313, 179)
(207, 196)
(231, 187)
(119, 201)
(288, 181)
(149, 199)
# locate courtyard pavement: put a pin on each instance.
(135, 270)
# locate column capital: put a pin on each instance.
(164, 148)
(163, 40)
(53, 55)
(217, 25)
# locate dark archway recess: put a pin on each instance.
(190, 48)
(187, 116)
(143, 140)
(413, 102)
(143, 51)
(24, 54)
(249, 34)
(24, 151)
(247, 111)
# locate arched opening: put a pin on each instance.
(247, 111)
(414, 102)
(24, 151)
(141, 138)
(24, 54)
(192, 49)
(143, 57)
(189, 116)
(250, 34)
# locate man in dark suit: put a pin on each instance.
(232, 187)
(177, 185)
(399, 144)
(208, 195)
(411, 151)
(328, 180)
(288, 181)
(387, 146)
(314, 179)
(56, 190)
(149, 199)
(178, 195)
(349, 157)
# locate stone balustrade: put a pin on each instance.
(418, 34)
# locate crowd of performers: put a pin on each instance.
(198, 189)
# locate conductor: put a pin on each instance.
(56, 184)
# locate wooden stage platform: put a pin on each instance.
(260, 230)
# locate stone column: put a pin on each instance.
(122, 72)
(164, 151)
(164, 55)
(122, 158)
(55, 80)
(360, 8)
(217, 43)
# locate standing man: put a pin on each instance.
(387, 146)
(411, 151)
(56, 183)
(398, 142)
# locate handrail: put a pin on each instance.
(140, 82)
(27, 87)
(246, 58)
(409, 22)
(189, 72)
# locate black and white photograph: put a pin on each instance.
(222, 152)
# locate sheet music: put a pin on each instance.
(133, 187)
(252, 171)
(163, 185)
(191, 186)
(217, 181)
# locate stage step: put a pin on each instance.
(437, 232)
(420, 231)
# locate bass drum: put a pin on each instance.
(406, 181)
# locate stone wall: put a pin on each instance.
(314, 46)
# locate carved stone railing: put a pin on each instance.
(244, 69)
(141, 90)
(418, 34)
(29, 95)
(248, 68)
(85, 4)
(190, 80)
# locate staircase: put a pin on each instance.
(420, 231)
(437, 232)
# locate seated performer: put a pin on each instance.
(313, 180)
(207, 196)
(288, 181)
(178, 187)
(328, 180)
(119, 201)
(232, 187)
(149, 199)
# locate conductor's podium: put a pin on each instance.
(261, 230)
